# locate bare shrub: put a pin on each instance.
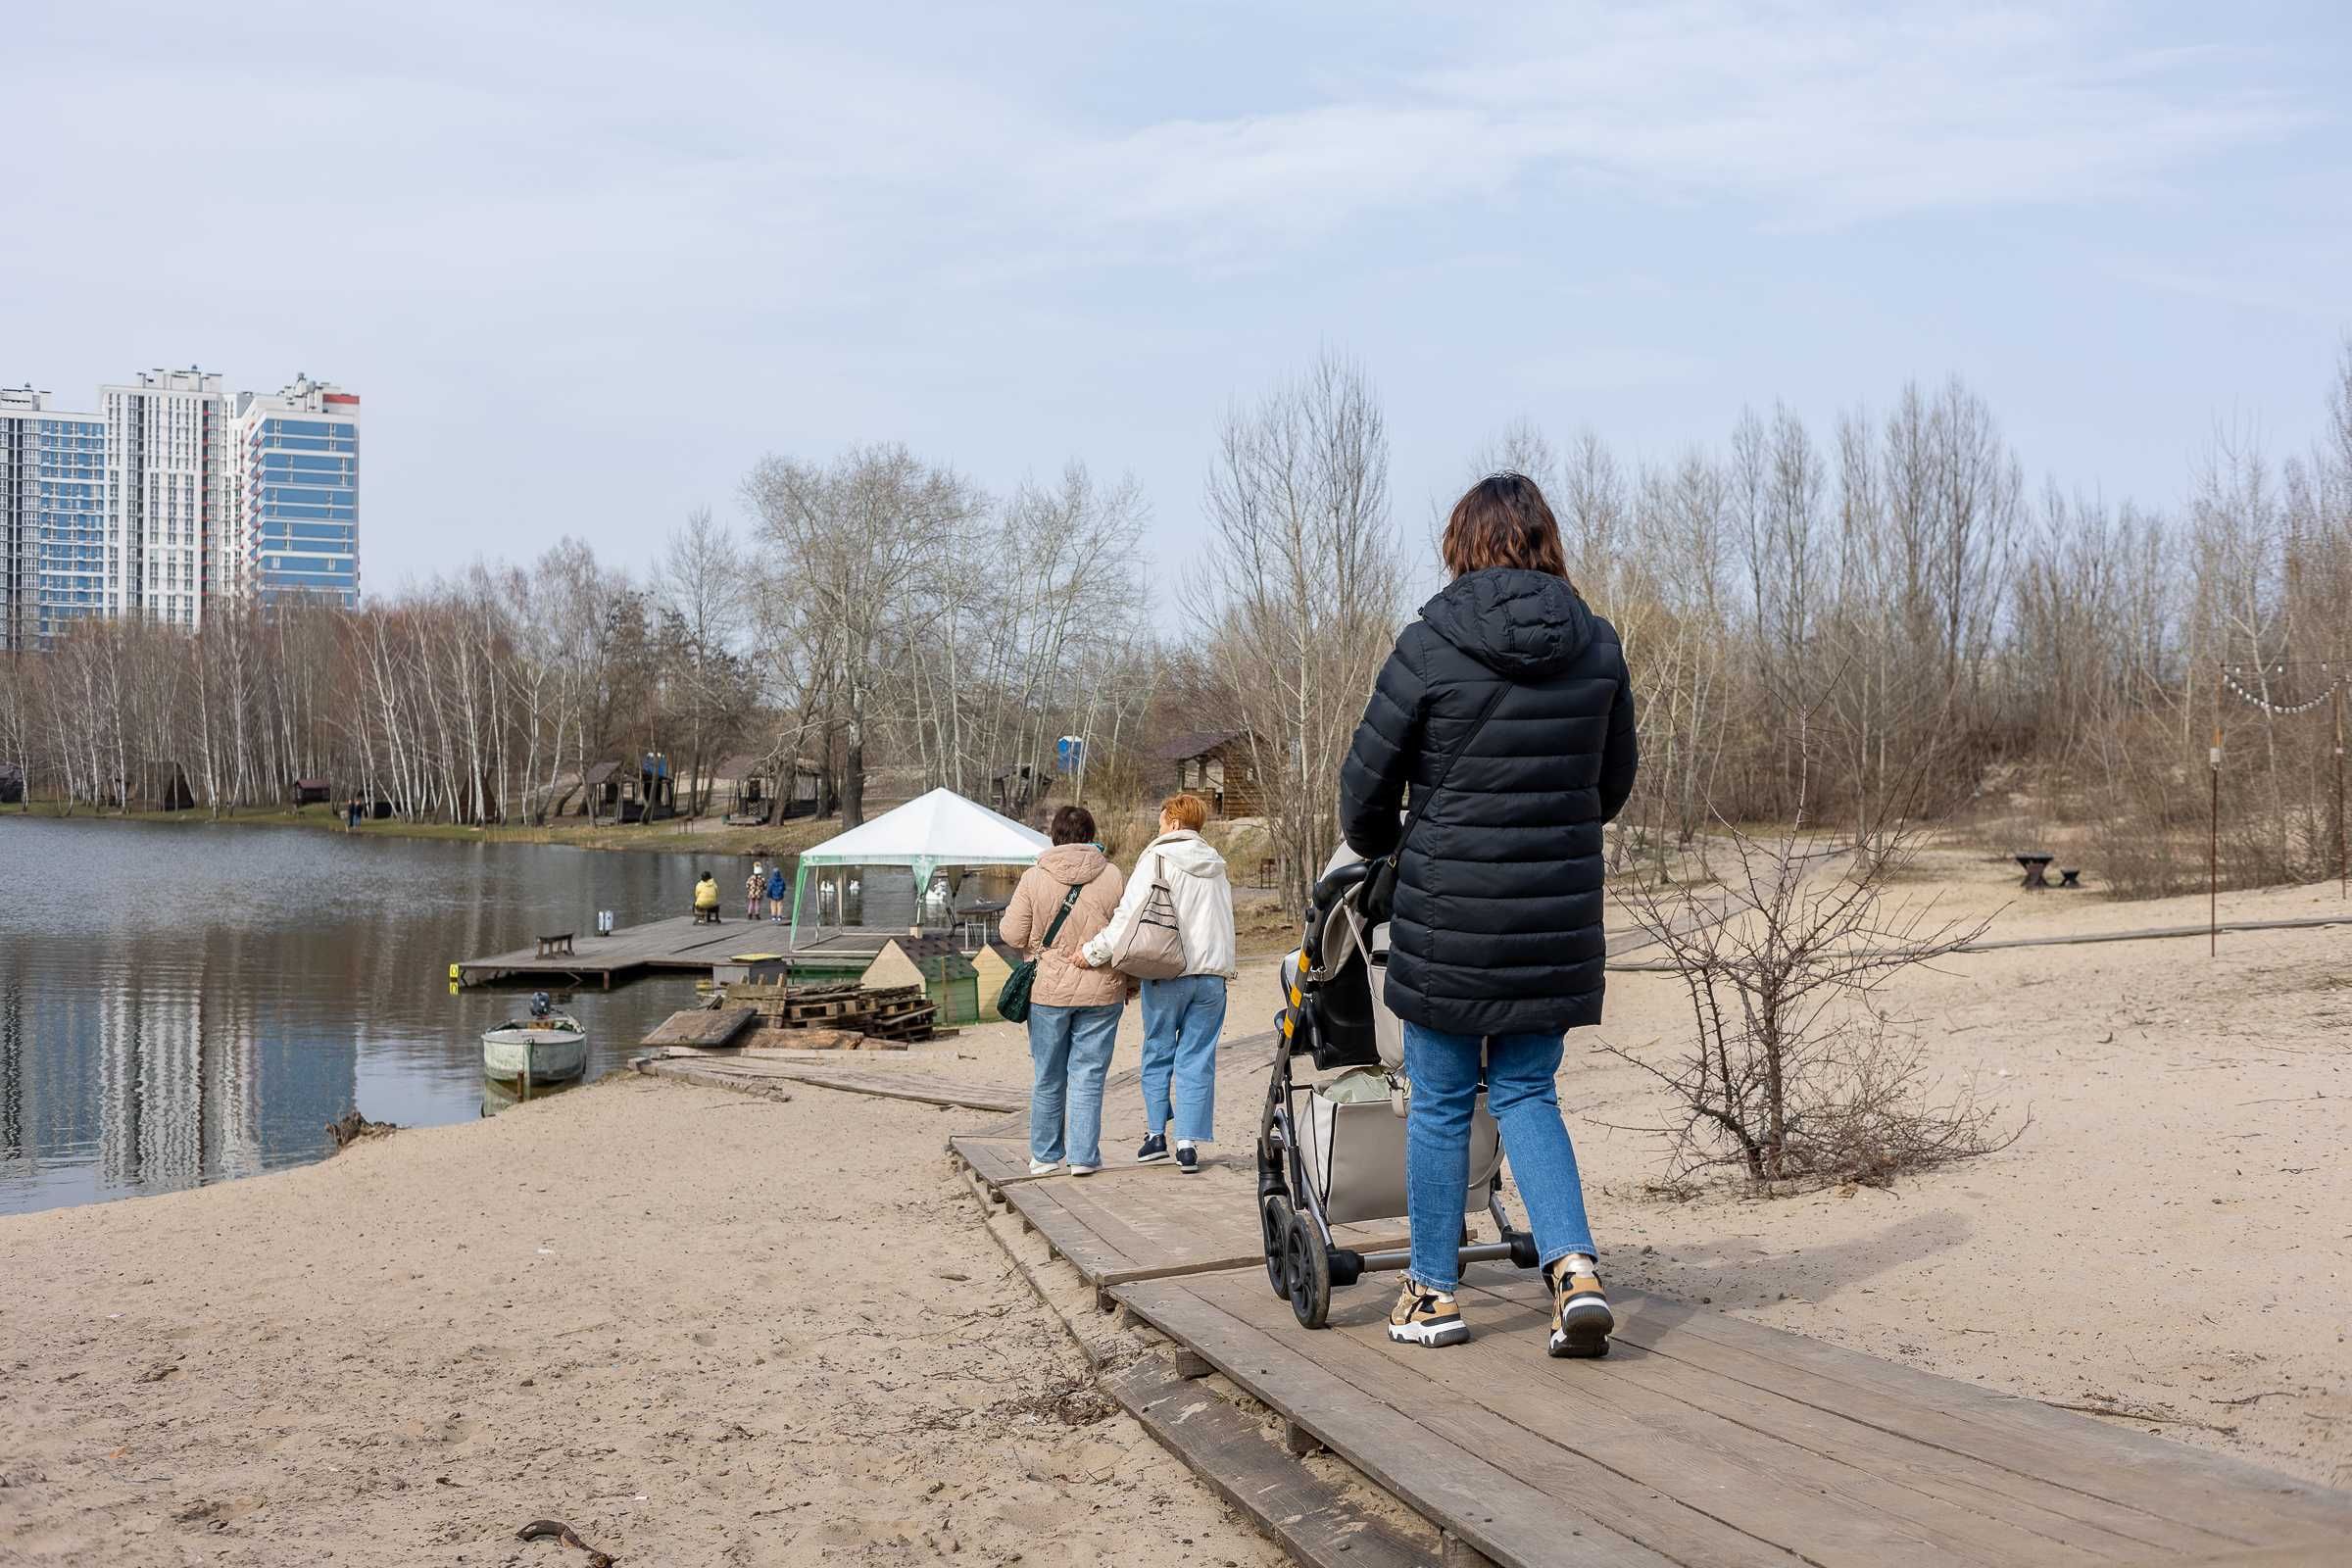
(1797, 1076)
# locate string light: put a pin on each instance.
(2282, 709)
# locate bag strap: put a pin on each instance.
(1069, 901)
(1420, 799)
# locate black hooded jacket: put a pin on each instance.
(1498, 924)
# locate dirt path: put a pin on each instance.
(700, 1328)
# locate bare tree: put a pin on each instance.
(1296, 595)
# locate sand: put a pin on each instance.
(710, 1329)
(701, 1328)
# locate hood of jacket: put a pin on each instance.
(1187, 852)
(1072, 865)
(1515, 622)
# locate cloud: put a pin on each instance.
(1815, 116)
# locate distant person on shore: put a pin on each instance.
(1497, 946)
(1060, 903)
(775, 894)
(705, 900)
(754, 891)
(1182, 1016)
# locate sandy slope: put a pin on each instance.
(699, 1327)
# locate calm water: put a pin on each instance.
(184, 1003)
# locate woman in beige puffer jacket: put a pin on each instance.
(1073, 1012)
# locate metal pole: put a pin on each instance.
(2343, 883)
(2213, 855)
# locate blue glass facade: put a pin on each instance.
(64, 505)
(302, 506)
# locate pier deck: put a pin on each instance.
(676, 945)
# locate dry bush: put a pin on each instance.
(1797, 1077)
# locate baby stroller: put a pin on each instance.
(1333, 1153)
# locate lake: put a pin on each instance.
(185, 1002)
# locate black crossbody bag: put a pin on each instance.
(1379, 900)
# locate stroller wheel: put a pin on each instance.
(1274, 1226)
(1306, 1268)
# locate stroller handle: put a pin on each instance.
(1335, 885)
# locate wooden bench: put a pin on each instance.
(2067, 876)
(557, 946)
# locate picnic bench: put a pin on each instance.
(2067, 876)
(557, 946)
(2036, 864)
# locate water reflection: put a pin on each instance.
(505, 1094)
(184, 1004)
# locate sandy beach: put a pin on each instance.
(705, 1328)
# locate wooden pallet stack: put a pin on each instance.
(899, 1015)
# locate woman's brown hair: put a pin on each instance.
(1503, 520)
(1072, 824)
(1185, 810)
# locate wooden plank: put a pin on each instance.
(1539, 1420)
(2068, 1517)
(709, 1072)
(705, 1027)
(998, 1162)
(1151, 1222)
(1501, 1389)
(1522, 1521)
(2190, 1488)
(896, 1084)
(1311, 1520)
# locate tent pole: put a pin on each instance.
(800, 880)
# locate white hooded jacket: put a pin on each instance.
(1195, 878)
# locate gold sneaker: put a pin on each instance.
(1423, 1316)
(1581, 1319)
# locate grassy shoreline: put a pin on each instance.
(674, 837)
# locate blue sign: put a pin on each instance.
(1069, 753)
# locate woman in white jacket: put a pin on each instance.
(1183, 1016)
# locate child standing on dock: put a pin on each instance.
(753, 891)
(775, 894)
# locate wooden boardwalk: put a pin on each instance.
(1703, 1441)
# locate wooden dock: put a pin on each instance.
(676, 944)
(1703, 1440)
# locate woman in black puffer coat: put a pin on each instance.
(1497, 944)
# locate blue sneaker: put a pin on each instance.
(1188, 1158)
(1154, 1150)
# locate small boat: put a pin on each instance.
(544, 1047)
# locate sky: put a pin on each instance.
(587, 263)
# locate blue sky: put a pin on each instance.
(586, 263)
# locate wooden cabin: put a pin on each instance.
(934, 963)
(624, 792)
(1217, 766)
(156, 786)
(306, 792)
(12, 784)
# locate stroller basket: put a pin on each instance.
(1354, 1152)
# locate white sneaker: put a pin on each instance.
(1083, 1170)
(1044, 1167)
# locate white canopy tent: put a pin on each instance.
(940, 828)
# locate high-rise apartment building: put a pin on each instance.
(174, 495)
(53, 535)
(295, 502)
(166, 478)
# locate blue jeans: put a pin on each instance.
(1182, 1019)
(1520, 1091)
(1070, 1049)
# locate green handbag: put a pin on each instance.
(1012, 1003)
